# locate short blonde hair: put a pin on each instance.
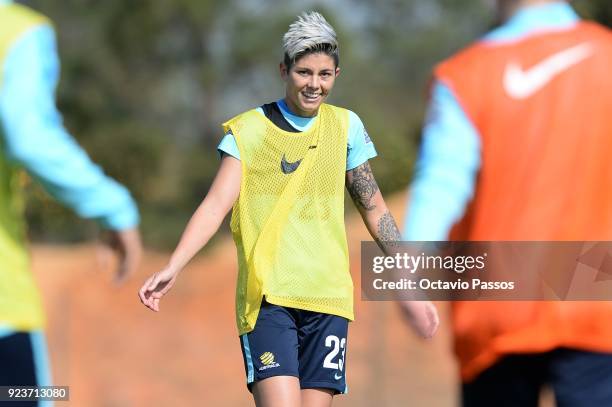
(310, 33)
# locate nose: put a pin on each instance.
(313, 82)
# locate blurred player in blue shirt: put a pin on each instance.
(33, 138)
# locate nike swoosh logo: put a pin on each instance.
(521, 84)
(287, 167)
(337, 377)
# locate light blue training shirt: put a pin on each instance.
(34, 136)
(449, 158)
(360, 147)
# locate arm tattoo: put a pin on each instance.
(387, 230)
(387, 233)
(362, 186)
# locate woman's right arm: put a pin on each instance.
(201, 227)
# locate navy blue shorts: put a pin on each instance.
(577, 378)
(291, 342)
(23, 362)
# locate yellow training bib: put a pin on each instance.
(288, 222)
(20, 304)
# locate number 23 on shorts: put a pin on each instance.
(336, 344)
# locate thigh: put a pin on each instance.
(515, 380)
(322, 351)
(581, 378)
(277, 391)
(271, 349)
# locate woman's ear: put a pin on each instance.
(284, 72)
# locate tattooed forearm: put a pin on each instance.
(387, 232)
(362, 186)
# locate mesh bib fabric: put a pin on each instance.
(288, 223)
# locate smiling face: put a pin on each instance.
(308, 82)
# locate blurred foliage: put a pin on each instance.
(146, 84)
(599, 10)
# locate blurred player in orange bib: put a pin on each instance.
(517, 146)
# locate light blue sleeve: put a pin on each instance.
(34, 136)
(229, 146)
(228, 143)
(446, 169)
(360, 146)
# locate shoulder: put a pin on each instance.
(354, 120)
(18, 16)
(353, 124)
(249, 125)
(357, 130)
(347, 116)
(600, 29)
(246, 116)
(18, 23)
(336, 110)
(358, 136)
(598, 33)
(463, 59)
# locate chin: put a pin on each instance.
(311, 107)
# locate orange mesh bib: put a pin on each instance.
(545, 174)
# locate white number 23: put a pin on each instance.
(336, 344)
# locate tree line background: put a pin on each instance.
(146, 84)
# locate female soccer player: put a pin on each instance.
(283, 169)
